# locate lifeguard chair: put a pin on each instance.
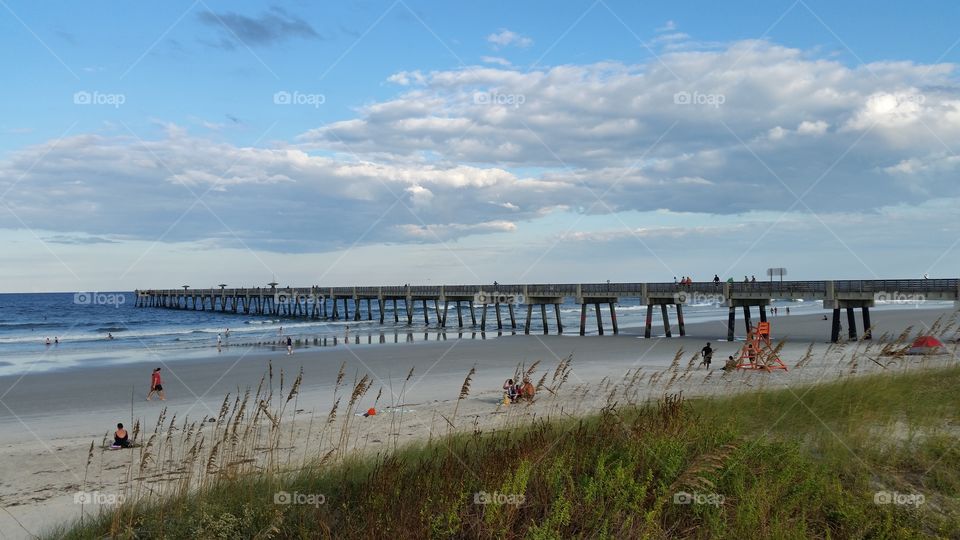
(757, 352)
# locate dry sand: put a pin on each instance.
(51, 418)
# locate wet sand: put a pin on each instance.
(47, 420)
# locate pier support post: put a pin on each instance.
(483, 318)
(436, 307)
(334, 312)
(867, 331)
(426, 313)
(496, 306)
(683, 329)
(648, 329)
(596, 305)
(473, 314)
(666, 320)
(446, 305)
(513, 320)
(731, 322)
(356, 309)
(852, 322)
(763, 313)
(459, 315)
(407, 303)
(346, 309)
(543, 319)
(526, 328)
(583, 319)
(835, 329)
(380, 305)
(747, 323)
(396, 314)
(369, 311)
(613, 318)
(556, 310)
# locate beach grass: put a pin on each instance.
(873, 456)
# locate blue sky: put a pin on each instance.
(455, 141)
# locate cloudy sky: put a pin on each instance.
(389, 142)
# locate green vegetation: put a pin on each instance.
(848, 459)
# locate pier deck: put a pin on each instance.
(334, 303)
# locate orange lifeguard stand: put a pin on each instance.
(757, 352)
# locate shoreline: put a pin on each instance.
(50, 418)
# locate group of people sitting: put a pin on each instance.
(513, 392)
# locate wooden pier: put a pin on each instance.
(334, 303)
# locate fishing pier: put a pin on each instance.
(369, 302)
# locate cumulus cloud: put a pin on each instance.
(486, 149)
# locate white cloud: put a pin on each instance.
(506, 38)
(496, 60)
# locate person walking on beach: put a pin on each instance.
(289, 345)
(707, 354)
(156, 385)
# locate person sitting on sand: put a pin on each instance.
(730, 365)
(510, 390)
(527, 390)
(120, 437)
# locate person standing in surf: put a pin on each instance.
(156, 385)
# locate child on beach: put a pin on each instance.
(289, 345)
(510, 389)
(156, 385)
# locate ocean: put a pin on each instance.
(82, 327)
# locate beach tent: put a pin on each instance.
(926, 345)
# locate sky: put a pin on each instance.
(152, 145)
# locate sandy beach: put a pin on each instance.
(51, 418)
